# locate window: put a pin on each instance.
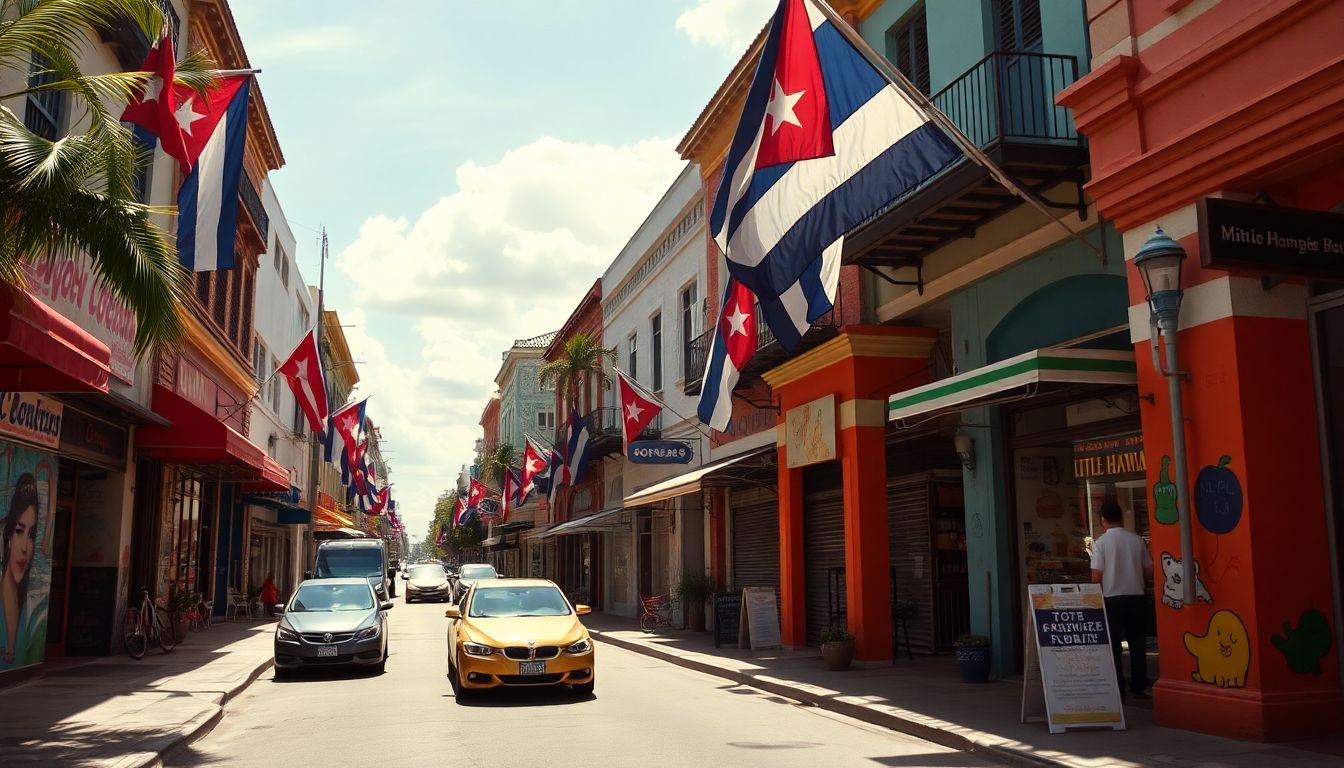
(298, 418)
(44, 111)
(690, 326)
(144, 161)
(656, 351)
(273, 397)
(261, 357)
(546, 420)
(633, 344)
(1017, 25)
(908, 48)
(282, 263)
(303, 319)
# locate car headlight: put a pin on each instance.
(367, 632)
(285, 634)
(583, 646)
(476, 649)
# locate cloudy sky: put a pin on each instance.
(476, 166)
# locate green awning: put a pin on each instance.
(1017, 377)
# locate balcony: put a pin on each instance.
(769, 353)
(255, 209)
(1005, 105)
(130, 44)
(604, 432)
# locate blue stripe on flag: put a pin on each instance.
(230, 172)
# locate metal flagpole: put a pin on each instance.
(919, 101)
(314, 463)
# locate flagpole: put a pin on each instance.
(315, 460)
(921, 102)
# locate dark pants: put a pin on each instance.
(1128, 619)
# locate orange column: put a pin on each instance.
(792, 578)
(718, 538)
(867, 577)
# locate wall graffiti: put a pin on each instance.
(1306, 646)
(1164, 496)
(1222, 653)
(1218, 497)
(1172, 593)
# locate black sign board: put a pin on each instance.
(660, 452)
(93, 601)
(727, 613)
(92, 439)
(1270, 239)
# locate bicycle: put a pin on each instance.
(143, 624)
(655, 612)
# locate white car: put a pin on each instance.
(427, 581)
(470, 574)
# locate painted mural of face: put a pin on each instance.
(1171, 588)
(20, 544)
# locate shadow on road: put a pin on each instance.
(525, 697)
(322, 675)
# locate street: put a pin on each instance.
(645, 711)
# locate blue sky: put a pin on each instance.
(477, 166)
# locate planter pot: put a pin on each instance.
(974, 664)
(838, 654)
(695, 616)
(180, 626)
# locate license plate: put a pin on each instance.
(531, 667)
(326, 650)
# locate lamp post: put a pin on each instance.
(1159, 263)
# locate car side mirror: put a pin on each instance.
(307, 574)
(279, 607)
(582, 610)
(453, 612)
(386, 605)
(405, 575)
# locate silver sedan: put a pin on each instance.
(332, 622)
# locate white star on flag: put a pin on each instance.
(535, 464)
(633, 412)
(348, 423)
(738, 320)
(153, 88)
(187, 115)
(780, 108)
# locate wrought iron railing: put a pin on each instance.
(698, 353)
(255, 208)
(1011, 95)
(607, 422)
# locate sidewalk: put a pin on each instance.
(117, 711)
(925, 697)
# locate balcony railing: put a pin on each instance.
(604, 432)
(255, 209)
(1011, 95)
(768, 351)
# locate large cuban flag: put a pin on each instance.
(215, 131)
(824, 143)
(733, 344)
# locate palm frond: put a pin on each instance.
(49, 27)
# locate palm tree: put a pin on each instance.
(76, 193)
(498, 458)
(581, 360)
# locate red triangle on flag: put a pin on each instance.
(638, 409)
(303, 371)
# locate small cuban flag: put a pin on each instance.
(215, 133)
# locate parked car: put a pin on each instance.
(470, 574)
(427, 581)
(366, 558)
(518, 632)
(331, 622)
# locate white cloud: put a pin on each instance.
(727, 24)
(506, 256)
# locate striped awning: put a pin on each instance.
(1015, 378)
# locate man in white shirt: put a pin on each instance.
(1122, 565)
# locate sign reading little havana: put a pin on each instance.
(70, 286)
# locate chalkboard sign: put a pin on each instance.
(727, 607)
(93, 601)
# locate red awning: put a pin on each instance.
(42, 351)
(197, 437)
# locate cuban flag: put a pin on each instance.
(733, 344)
(576, 449)
(534, 463)
(215, 133)
(303, 371)
(555, 475)
(823, 144)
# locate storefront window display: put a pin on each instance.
(182, 549)
(1068, 459)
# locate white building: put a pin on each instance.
(285, 312)
(652, 307)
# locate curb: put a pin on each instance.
(995, 752)
(201, 726)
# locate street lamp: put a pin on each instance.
(1159, 263)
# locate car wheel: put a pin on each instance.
(382, 665)
(585, 689)
(282, 674)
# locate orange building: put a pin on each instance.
(1223, 123)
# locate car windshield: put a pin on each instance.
(476, 572)
(331, 597)
(345, 563)
(427, 572)
(502, 602)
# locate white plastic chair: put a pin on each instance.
(238, 604)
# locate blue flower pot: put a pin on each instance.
(974, 663)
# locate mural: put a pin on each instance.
(1171, 589)
(1306, 646)
(27, 481)
(1164, 496)
(1223, 652)
(1218, 497)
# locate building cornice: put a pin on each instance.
(892, 342)
(199, 337)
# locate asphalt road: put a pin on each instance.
(645, 712)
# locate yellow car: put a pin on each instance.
(517, 632)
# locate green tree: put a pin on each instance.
(459, 538)
(498, 458)
(77, 193)
(580, 362)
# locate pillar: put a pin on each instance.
(792, 577)
(867, 553)
(718, 537)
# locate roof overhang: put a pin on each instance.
(713, 474)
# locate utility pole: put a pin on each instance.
(315, 460)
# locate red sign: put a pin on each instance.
(69, 286)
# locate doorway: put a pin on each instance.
(63, 536)
(1327, 328)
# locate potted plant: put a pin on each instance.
(181, 601)
(837, 648)
(973, 658)
(693, 592)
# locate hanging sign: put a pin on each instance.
(1109, 458)
(31, 417)
(758, 624)
(1072, 647)
(1270, 238)
(659, 452)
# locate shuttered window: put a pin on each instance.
(1017, 25)
(908, 48)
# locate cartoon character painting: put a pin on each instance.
(1222, 653)
(1305, 646)
(1171, 589)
